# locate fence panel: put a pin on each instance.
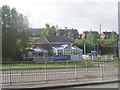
(12, 76)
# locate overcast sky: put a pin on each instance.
(77, 14)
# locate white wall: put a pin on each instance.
(76, 57)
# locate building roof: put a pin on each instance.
(41, 41)
(35, 31)
(73, 31)
(57, 39)
(38, 49)
(109, 34)
(68, 47)
(52, 39)
(85, 34)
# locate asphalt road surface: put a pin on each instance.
(111, 85)
(95, 87)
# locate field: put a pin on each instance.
(42, 65)
(50, 65)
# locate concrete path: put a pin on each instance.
(57, 84)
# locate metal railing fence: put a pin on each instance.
(12, 76)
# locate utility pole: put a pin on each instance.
(100, 28)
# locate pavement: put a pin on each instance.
(57, 84)
(38, 75)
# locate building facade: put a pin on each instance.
(55, 48)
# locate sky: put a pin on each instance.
(83, 15)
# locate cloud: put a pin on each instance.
(83, 15)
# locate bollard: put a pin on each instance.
(10, 75)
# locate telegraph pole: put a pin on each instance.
(100, 28)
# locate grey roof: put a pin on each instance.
(52, 39)
(35, 31)
(74, 31)
(41, 41)
(57, 39)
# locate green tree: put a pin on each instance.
(52, 31)
(80, 43)
(49, 31)
(91, 37)
(43, 33)
(14, 33)
(112, 40)
(70, 36)
(57, 32)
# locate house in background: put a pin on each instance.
(54, 48)
(108, 35)
(47, 42)
(35, 31)
(85, 34)
(65, 32)
(62, 32)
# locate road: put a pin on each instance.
(110, 85)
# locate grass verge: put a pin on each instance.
(49, 65)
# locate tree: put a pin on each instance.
(52, 31)
(91, 37)
(43, 33)
(70, 36)
(80, 43)
(49, 31)
(14, 33)
(57, 32)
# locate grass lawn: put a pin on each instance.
(42, 65)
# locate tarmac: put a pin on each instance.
(58, 84)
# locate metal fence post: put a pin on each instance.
(75, 72)
(67, 64)
(45, 72)
(10, 75)
(102, 72)
(21, 68)
(86, 66)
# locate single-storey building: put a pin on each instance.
(55, 48)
